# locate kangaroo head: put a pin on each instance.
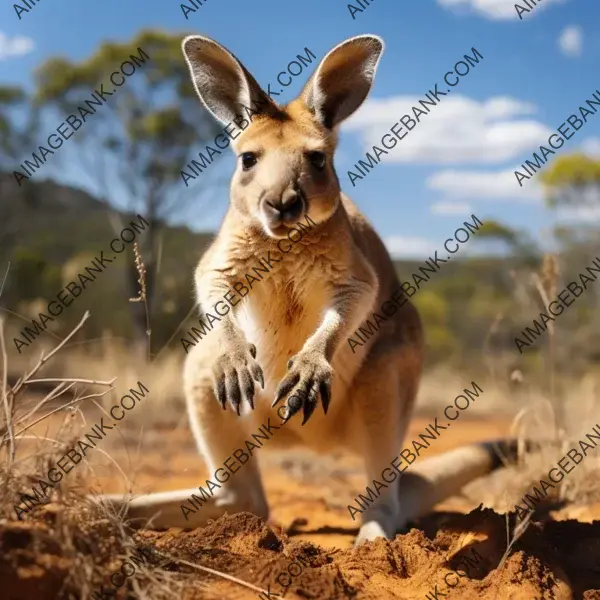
(285, 155)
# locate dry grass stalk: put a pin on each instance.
(549, 274)
(13, 481)
(142, 295)
(520, 529)
(141, 269)
(62, 407)
(59, 390)
(8, 405)
(164, 583)
(492, 331)
(4, 278)
(545, 283)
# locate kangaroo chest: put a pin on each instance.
(278, 315)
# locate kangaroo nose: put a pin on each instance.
(288, 207)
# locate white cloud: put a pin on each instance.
(498, 10)
(570, 40)
(479, 185)
(407, 246)
(451, 208)
(591, 147)
(579, 213)
(459, 130)
(16, 46)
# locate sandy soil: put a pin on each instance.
(307, 543)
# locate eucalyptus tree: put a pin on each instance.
(134, 146)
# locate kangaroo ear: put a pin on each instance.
(343, 79)
(223, 83)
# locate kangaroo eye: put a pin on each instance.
(317, 159)
(248, 160)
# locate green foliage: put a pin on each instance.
(151, 124)
(434, 310)
(497, 231)
(59, 77)
(571, 179)
(518, 242)
(433, 307)
(135, 146)
(58, 239)
(572, 169)
(15, 135)
(11, 95)
(487, 303)
(9, 98)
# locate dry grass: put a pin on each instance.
(90, 538)
(563, 414)
(111, 356)
(69, 526)
(555, 416)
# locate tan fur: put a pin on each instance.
(306, 307)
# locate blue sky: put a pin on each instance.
(457, 161)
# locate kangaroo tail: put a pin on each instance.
(437, 478)
(161, 510)
(429, 482)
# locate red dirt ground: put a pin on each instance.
(558, 560)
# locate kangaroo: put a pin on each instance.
(287, 338)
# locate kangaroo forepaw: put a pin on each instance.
(309, 374)
(233, 375)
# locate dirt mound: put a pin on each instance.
(70, 553)
(32, 564)
(453, 556)
(449, 556)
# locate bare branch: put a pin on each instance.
(96, 395)
(4, 280)
(14, 314)
(7, 407)
(90, 381)
(44, 359)
(59, 390)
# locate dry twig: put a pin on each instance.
(44, 359)
(9, 395)
(214, 572)
(63, 406)
(8, 406)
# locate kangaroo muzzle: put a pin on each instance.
(284, 210)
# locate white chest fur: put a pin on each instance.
(278, 316)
